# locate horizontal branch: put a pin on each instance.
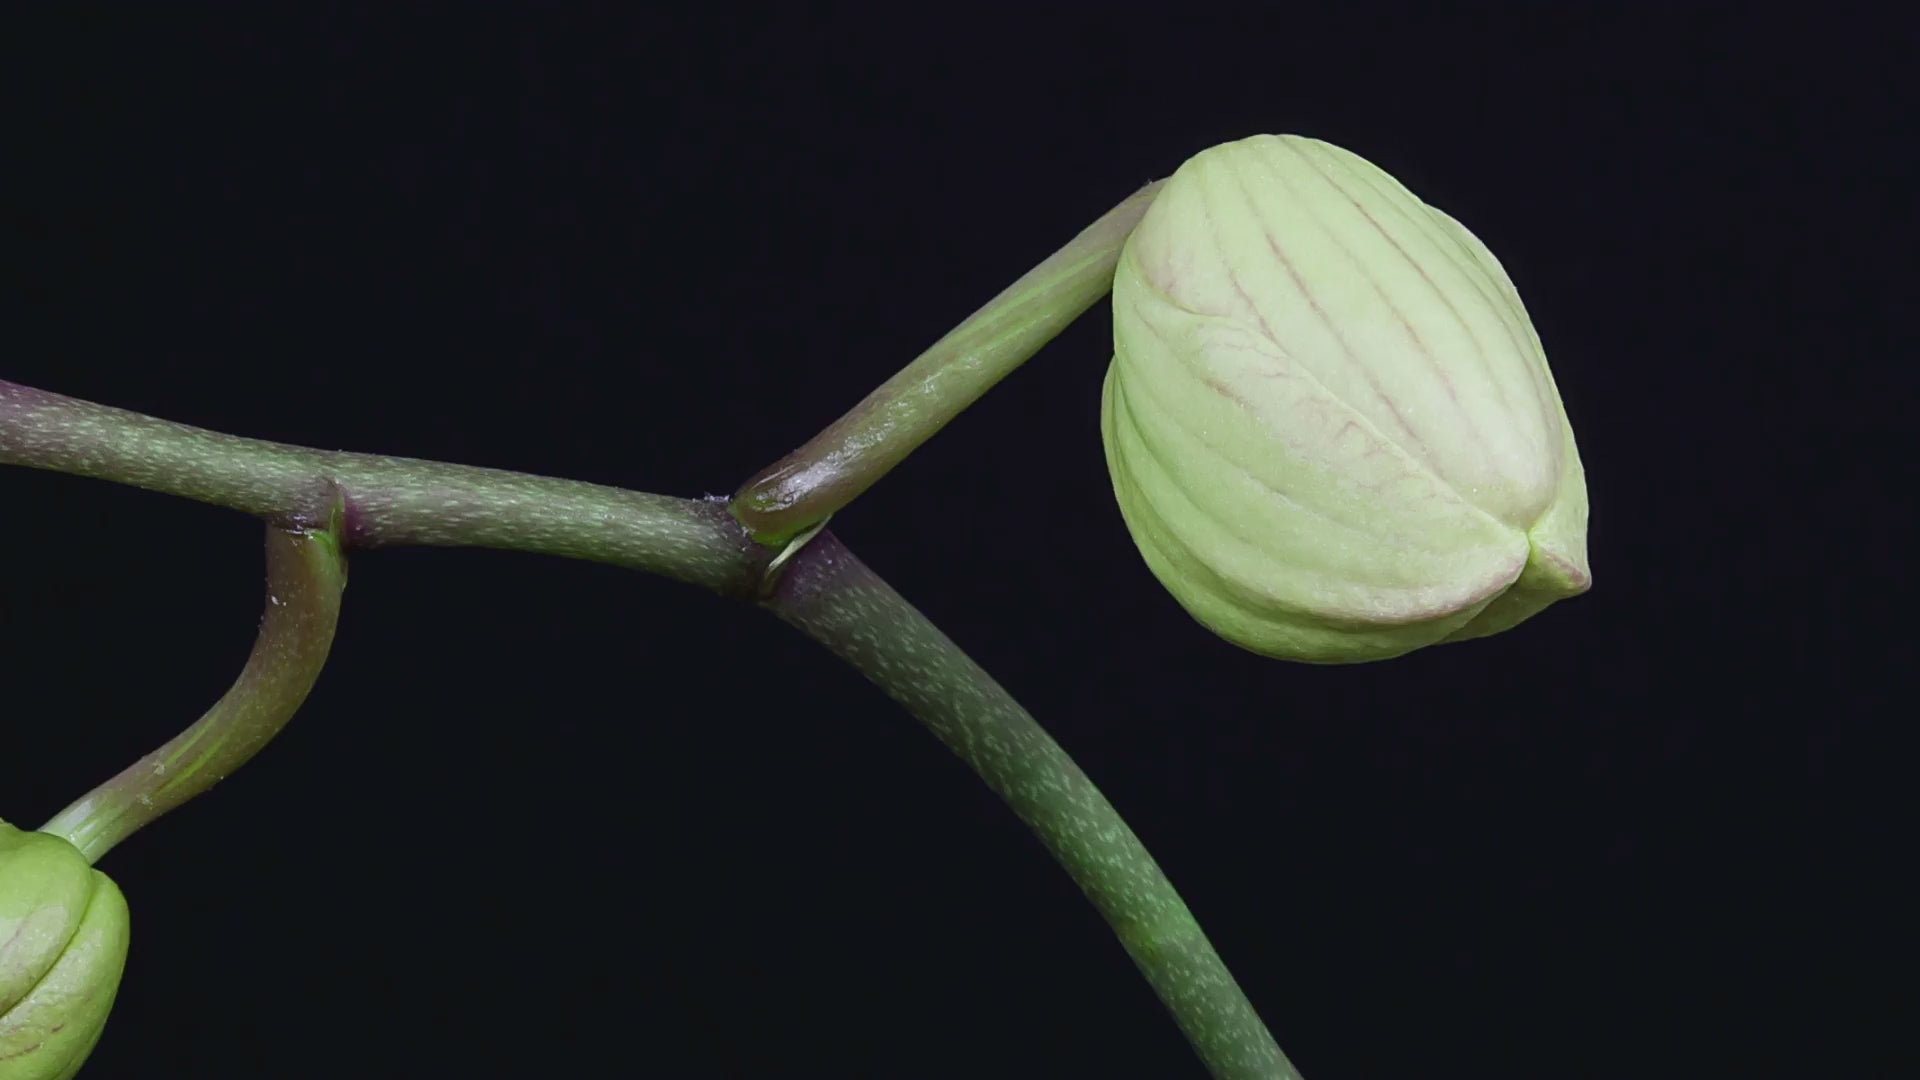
(387, 500)
(824, 591)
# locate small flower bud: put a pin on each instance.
(1330, 425)
(63, 945)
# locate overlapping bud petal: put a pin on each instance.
(1330, 424)
(63, 946)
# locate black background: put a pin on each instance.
(546, 818)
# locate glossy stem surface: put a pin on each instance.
(306, 574)
(834, 598)
(832, 469)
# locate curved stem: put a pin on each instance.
(306, 573)
(835, 599)
(831, 470)
(368, 500)
(385, 500)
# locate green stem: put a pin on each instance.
(805, 487)
(835, 599)
(823, 590)
(306, 573)
(385, 500)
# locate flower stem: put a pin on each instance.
(830, 471)
(385, 500)
(306, 573)
(367, 501)
(834, 598)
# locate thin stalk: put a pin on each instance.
(306, 573)
(830, 471)
(384, 500)
(822, 590)
(834, 598)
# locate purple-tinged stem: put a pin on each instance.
(306, 574)
(315, 500)
(837, 465)
(387, 500)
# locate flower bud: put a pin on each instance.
(63, 945)
(1329, 422)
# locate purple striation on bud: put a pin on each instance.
(1330, 425)
(63, 946)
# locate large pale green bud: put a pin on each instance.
(63, 945)
(1329, 421)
